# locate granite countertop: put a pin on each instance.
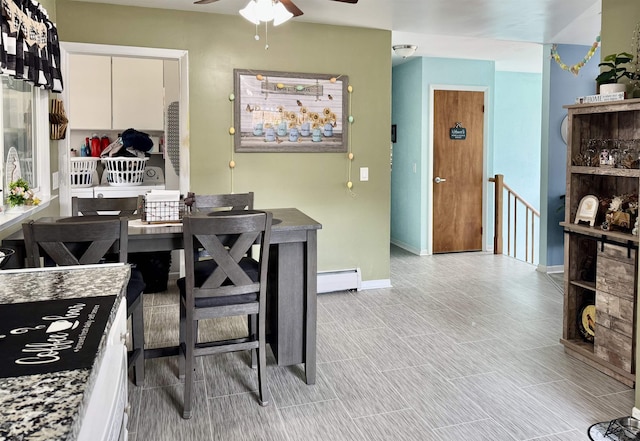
(51, 406)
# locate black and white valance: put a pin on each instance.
(29, 46)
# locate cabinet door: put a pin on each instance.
(138, 94)
(89, 92)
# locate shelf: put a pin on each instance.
(580, 346)
(598, 233)
(611, 106)
(606, 171)
(583, 350)
(591, 286)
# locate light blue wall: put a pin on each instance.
(412, 82)
(518, 115)
(561, 88)
(406, 185)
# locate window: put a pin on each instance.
(24, 145)
(18, 117)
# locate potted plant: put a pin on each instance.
(20, 194)
(608, 79)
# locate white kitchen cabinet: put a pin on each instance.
(89, 92)
(138, 93)
(115, 93)
(105, 418)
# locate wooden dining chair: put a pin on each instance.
(154, 265)
(80, 242)
(96, 206)
(230, 201)
(228, 284)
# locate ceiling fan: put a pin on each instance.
(288, 4)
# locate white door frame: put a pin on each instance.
(64, 147)
(485, 161)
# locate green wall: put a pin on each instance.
(619, 19)
(355, 229)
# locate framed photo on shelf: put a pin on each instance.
(290, 112)
(587, 210)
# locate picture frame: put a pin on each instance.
(278, 112)
(587, 210)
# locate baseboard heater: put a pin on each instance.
(340, 280)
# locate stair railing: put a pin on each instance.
(531, 213)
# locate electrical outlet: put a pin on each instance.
(364, 173)
(54, 181)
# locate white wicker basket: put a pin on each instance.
(82, 171)
(123, 171)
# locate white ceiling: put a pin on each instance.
(508, 31)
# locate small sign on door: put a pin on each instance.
(458, 132)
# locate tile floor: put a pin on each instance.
(463, 347)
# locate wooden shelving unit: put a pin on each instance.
(601, 265)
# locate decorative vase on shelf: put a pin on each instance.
(606, 89)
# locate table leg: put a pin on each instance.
(286, 302)
(311, 310)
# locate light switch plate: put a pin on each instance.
(364, 173)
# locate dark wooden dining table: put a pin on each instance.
(292, 288)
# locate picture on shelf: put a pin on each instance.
(621, 213)
(587, 210)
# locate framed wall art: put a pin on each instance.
(290, 112)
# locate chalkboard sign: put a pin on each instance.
(51, 335)
(458, 132)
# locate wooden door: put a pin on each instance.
(457, 171)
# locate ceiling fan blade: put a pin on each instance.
(288, 4)
(353, 2)
(204, 2)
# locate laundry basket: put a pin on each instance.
(123, 171)
(82, 171)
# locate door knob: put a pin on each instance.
(438, 180)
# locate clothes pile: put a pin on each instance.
(131, 143)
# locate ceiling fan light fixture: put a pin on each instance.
(249, 12)
(264, 10)
(280, 14)
(404, 50)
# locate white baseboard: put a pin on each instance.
(376, 284)
(340, 280)
(348, 279)
(409, 248)
(550, 269)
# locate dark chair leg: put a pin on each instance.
(262, 363)
(188, 366)
(137, 341)
(182, 341)
(252, 323)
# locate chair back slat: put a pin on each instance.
(97, 206)
(227, 238)
(213, 202)
(75, 243)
